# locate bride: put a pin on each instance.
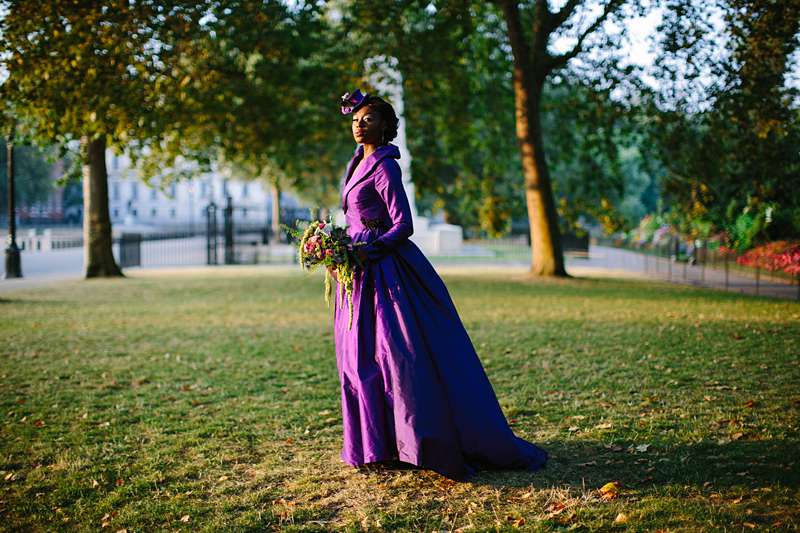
(413, 389)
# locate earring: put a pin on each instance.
(383, 137)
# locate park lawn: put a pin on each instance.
(210, 402)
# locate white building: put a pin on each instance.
(181, 206)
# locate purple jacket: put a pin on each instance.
(375, 203)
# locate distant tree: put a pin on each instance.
(260, 94)
(98, 72)
(728, 127)
(459, 60)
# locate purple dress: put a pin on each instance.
(413, 388)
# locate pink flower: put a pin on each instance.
(321, 224)
(328, 252)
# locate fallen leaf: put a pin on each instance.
(749, 525)
(642, 448)
(621, 518)
(610, 490)
(737, 436)
(750, 403)
(222, 478)
(605, 425)
(555, 508)
(185, 518)
(573, 428)
(590, 463)
(38, 423)
(95, 484)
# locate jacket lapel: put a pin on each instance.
(353, 161)
(365, 170)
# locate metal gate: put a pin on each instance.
(234, 241)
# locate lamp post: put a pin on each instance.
(13, 263)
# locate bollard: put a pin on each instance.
(229, 258)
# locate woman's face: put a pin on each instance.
(367, 126)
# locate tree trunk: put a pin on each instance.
(98, 257)
(276, 212)
(547, 258)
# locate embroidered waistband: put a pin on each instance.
(372, 223)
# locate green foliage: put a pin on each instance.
(725, 125)
(461, 123)
(260, 88)
(750, 225)
(603, 169)
(92, 68)
(32, 180)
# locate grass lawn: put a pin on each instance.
(210, 402)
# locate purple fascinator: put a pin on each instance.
(352, 100)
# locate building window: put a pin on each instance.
(115, 162)
(244, 190)
(116, 213)
(134, 213)
(134, 191)
(115, 191)
(244, 212)
(203, 189)
(154, 194)
(172, 213)
(173, 190)
(153, 213)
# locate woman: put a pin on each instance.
(413, 389)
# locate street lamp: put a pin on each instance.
(13, 263)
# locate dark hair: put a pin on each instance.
(386, 111)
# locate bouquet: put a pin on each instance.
(325, 243)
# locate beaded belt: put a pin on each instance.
(372, 223)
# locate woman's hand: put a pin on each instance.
(332, 272)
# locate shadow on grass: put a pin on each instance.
(590, 464)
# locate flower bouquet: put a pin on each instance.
(325, 243)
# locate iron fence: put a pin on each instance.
(701, 263)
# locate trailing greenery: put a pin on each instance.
(210, 402)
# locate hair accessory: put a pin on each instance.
(352, 100)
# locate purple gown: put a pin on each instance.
(413, 388)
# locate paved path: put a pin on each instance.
(661, 268)
(43, 268)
